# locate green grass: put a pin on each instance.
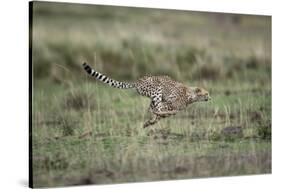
(103, 141)
(85, 132)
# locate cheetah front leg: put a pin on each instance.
(158, 109)
(163, 109)
(157, 113)
(154, 118)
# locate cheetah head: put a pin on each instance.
(200, 94)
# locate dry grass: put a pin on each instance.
(88, 133)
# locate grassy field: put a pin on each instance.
(84, 132)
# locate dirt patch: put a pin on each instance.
(232, 132)
(94, 177)
(84, 181)
(165, 134)
(181, 170)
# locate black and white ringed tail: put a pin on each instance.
(105, 79)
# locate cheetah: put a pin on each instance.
(168, 96)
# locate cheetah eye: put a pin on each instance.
(197, 90)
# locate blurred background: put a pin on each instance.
(127, 43)
(85, 132)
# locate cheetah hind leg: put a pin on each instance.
(151, 121)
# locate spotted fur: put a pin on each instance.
(167, 95)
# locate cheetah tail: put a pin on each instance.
(107, 80)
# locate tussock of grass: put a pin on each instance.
(264, 131)
(79, 100)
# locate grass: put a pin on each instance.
(84, 132)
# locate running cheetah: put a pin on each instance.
(167, 96)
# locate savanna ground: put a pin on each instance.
(84, 132)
